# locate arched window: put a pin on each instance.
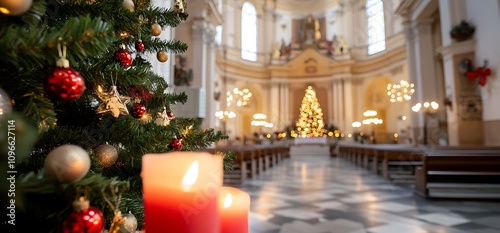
(376, 27)
(248, 32)
(218, 34)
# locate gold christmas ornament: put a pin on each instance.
(155, 29)
(179, 6)
(112, 102)
(107, 155)
(163, 118)
(67, 163)
(15, 7)
(129, 4)
(162, 56)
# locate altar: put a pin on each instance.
(310, 148)
(309, 141)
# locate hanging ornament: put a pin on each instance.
(138, 110)
(139, 46)
(155, 29)
(123, 56)
(85, 219)
(170, 115)
(67, 163)
(112, 102)
(162, 56)
(129, 223)
(179, 6)
(5, 103)
(129, 5)
(163, 118)
(63, 83)
(15, 7)
(175, 144)
(140, 92)
(106, 155)
(481, 73)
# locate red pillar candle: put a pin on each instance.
(181, 191)
(234, 205)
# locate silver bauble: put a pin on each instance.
(129, 4)
(129, 224)
(67, 163)
(5, 103)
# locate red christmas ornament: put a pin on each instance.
(85, 219)
(139, 92)
(170, 115)
(480, 73)
(64, 84)
(138, 110)
(139, 46)
(176, 144)
(123, 56)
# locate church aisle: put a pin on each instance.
(332, 195)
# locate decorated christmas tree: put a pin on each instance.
(310, 123)
(80, 106)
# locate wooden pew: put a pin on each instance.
(459, 174)
(251, 161)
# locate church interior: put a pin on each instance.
(351, 53)
(250, 116)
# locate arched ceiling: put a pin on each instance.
(305, 6)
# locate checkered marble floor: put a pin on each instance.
(331, 195)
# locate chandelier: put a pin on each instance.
(223, 115)
(259, 120)
(241, 97)
(400, 92)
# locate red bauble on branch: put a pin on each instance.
(481, 73)
(63, 83)
(175, 144)
(139, 92)
(139, 46)
(85, 219)
(123, 56)
(170, 115)
(138, 110)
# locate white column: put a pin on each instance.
(282, 106)
(348, 109)
(330, 102)
(288, 115)
(342, 105)
(338, 108)
(425, 64)
(268, 27)
(348, 30)
(199, 49)
(451, 13)
(274, 98)
(209, 121)
(334, 104)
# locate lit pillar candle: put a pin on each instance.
(181, 191)
(234, 205)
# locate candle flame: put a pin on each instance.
(228, 201)
(191, 176)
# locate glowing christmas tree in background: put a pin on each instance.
(310, 123)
